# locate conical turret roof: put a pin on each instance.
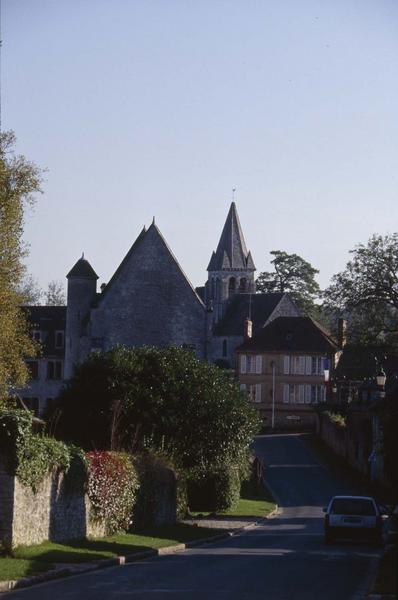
(82, 268)
(231, 251)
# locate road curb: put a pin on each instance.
(117, 561)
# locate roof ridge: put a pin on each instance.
(153, 225)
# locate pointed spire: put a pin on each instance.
(231, 251)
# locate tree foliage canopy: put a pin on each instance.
(19, 179)
(127, 398)
(367, 290)
(294, 275)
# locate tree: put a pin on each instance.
(126, 398)
(55, 295)
(30, 291)
(294, 275)
(367, 290)
(19, 180)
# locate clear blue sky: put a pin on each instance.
(142, 108)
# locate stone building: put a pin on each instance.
(282, 368)
(149, 301)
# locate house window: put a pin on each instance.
(243, 363)
(33, 368)
(242, 285)
(37, 335)
(254, 392)
(286, 393)
(59, 339)
(291, 394)
(316, 365)
(54, 369)
(251, 363)
(225, 348)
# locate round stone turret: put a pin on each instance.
(82, 288)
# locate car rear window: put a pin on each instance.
(352, 506)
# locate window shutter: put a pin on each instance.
(286, 393)
(302, 365)
(257, 397)
(259, 364)
(301, 394)
(243, 363)
(307, 394)
(286, 365)
(308, 365)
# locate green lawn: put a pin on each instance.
(31, 560)
(253, 503)
(10, 568)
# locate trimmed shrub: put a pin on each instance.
(112, 488)
(213, 489)
(157, 496)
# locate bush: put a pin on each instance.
(336, 418)
(157, 496)
(214, 489)
(112, 488)
(191, 409)
(30, 456)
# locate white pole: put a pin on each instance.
(273, 394)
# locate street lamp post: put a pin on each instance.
(381, 382)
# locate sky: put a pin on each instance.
(142, 108)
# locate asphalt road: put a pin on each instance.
(282, 559)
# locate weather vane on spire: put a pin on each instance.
(233, 194)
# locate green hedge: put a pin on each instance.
(213, 489)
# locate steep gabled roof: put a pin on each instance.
(231, 251)
(258, 306)
(291, 334)
(152, 236)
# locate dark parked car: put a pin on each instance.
(354, 516)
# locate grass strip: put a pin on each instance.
(254, 502)
(91, 550)
(11, 569)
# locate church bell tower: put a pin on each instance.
(231, 267)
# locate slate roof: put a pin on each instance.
(291, 334)
(48, 320)
(201, 292)
(152, 229)
(82, 268)
(259, 306)
(231, 251)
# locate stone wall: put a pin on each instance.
(352, 442)
(52, 513)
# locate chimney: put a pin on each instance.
(248, 329)
(342, 333)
